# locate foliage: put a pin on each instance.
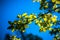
(45, 21)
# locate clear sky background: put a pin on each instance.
(9, 11)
